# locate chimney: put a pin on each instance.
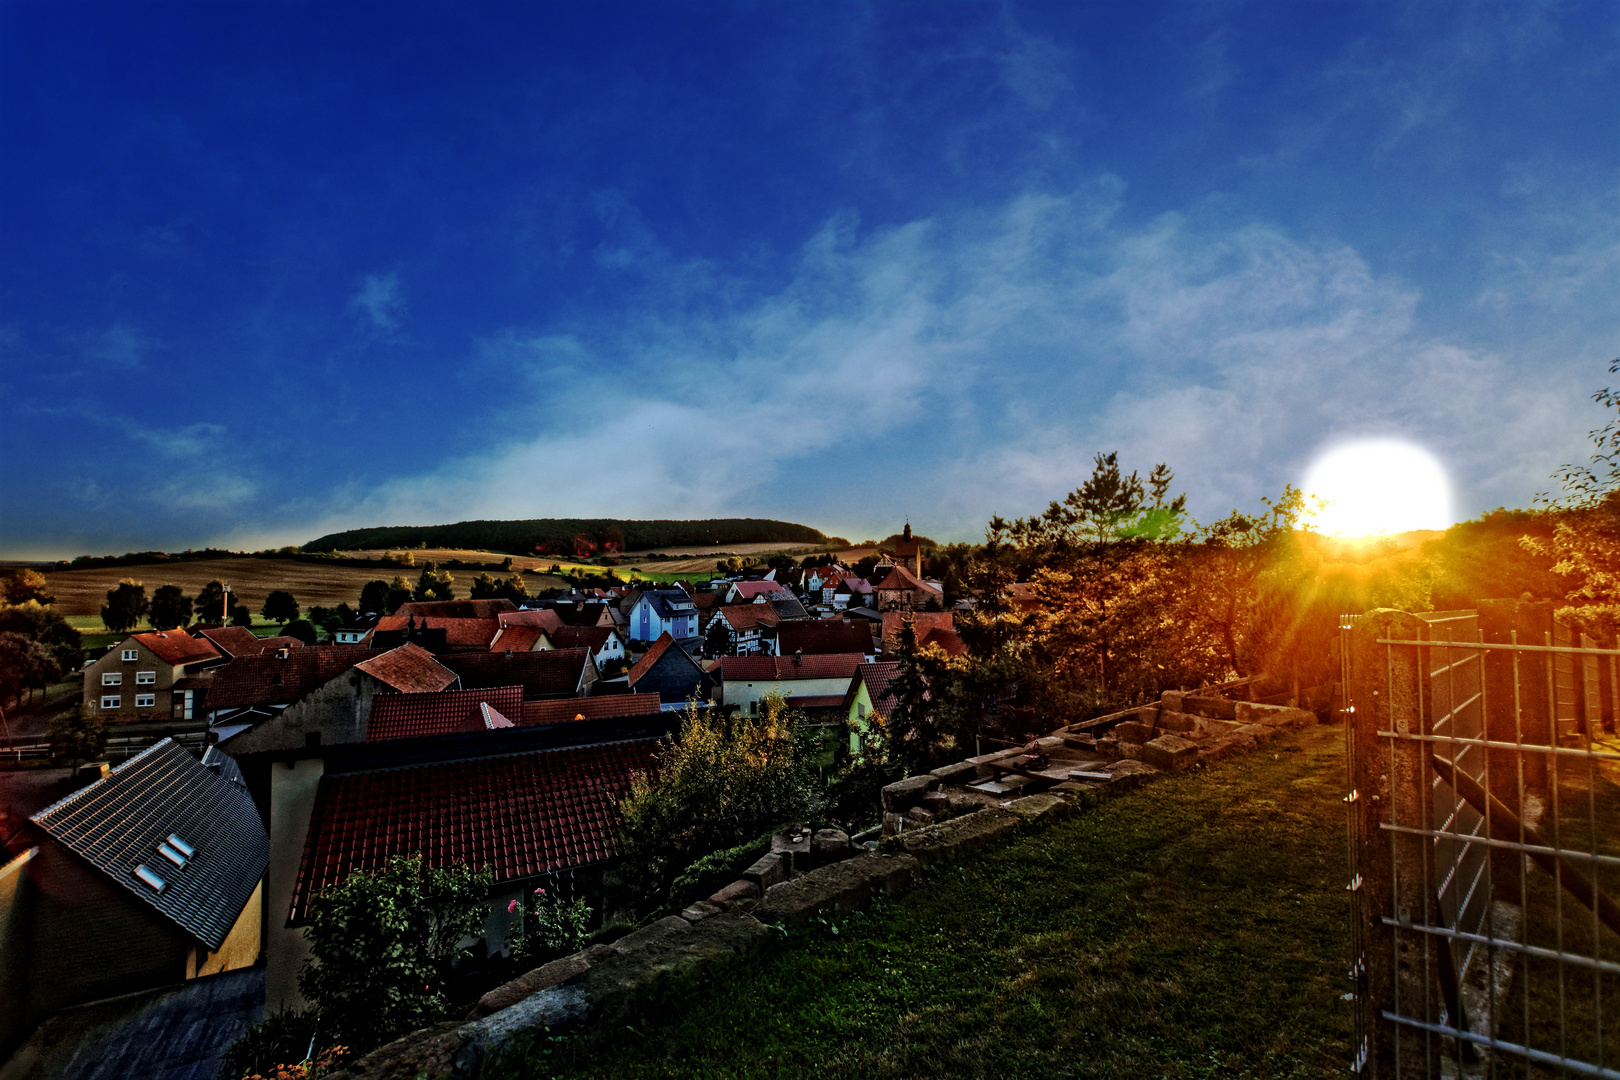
(798, 657)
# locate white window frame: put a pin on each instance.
(131, 655)
(146, 701)
(146, 678)
(111, 701)
(112, 678)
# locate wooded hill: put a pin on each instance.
(571, 536)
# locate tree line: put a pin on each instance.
(558, 536)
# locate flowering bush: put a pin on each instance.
(304, 1070)
(551, 926)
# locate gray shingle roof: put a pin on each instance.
(121, 825)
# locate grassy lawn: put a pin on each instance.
(1196, 928)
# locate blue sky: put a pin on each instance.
(276, 269)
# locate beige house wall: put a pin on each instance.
(241, 946)
(293, 786)
(743, 694)
(114, 663)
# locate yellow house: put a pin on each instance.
(868, 694)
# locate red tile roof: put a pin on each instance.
(901, 578)
(410, 669)
(268, 679)
(415, 716)
(520, 815)
(814, 701)
(581, 637)
(519, 638)
(945, 639)
(271, 644)
(553, 674)
(876, 677)
(921, 623)
(544, 618)
(456, 609)
(788, 668)
(177, 647)
(822, 636)
(463, 632)
(649, 658)
(239, 640)
(742, 617)
(588, 708)
(751, 589)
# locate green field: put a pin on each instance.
(96, 636)
(1196, 928)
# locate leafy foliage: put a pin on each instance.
(280, 607)
(23, 586)
(724, 781)
(303, 630)
(170, 608)
(52, 634)
(78, 735)
(126, 606)
(551, 927)
(382, 943)
(434, 584)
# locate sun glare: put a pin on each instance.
(1378, 486)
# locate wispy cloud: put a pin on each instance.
(380, 301)
(984, 358)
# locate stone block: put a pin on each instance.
(430, 1051)
(935, 801)
(700, 911)
(1080, 742)
(893, 823)
(841, 887)
(1130, 750)
(1128, 774)
(1177, 722)
(1040, 809)
(794, 848)
(1260, 733)
(767, 870)
(828, 846)
(1148, 714)
(947, 839)
(608, 986)
(729, 897)
(904, 794)
(1172, 699)
(547, 975)
(917, 816)
(1133, 731)
(1216, 708)
(960, 773)
(1047, 743)
(1108, 746)
(1250, 712)
(1170, 752)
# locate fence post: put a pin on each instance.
(1392, 779)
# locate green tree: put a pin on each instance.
(302, 629)
(399, 594)
(210, 603)
(382, 943)
(78, 735)
(24, 586)
(170, 609)
(484, 587)
(717, 642)
(25, 664)
(374, 598)
(433, 584)
(723, 782)
(50, 630)
(125, 607)
(912, 735)
(514, 589)
(280, 607)
(241, 614)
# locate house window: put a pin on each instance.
(112, 678)
(131, 654)
(110, 701)
(145, 701)
(145, 678)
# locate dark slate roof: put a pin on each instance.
(223, 765)
(581, 637)
(822, 636)
(416, 716)
(521, 815)
(118, 824)
(552, 674)
(669, 602)
(788, 607)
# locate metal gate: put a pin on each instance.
(1485, 843)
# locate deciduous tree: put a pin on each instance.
(24, 586)
(78, 735)
(280, 607)
(125, 607)
(170, 608)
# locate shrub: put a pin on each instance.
(382, 944)
(552, 927)
(715, 871)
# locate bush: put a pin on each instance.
(722, 783)
(282, 1036)
(552, 927)
(382, 944)
(715, 871)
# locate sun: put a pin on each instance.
(1378, 486)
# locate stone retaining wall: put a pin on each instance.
(930, 818)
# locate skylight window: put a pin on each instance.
(151, 880)
(171, 854)
(182, 847)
